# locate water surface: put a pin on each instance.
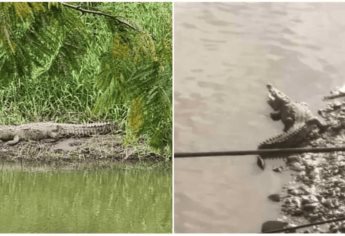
(225, 54)
(85, 201)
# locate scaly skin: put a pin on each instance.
(12, 134)
(292, 114)
(291, 139)
(298, 122)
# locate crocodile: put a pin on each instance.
(299, 123)
(13, 134)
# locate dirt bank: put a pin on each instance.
(96, 149)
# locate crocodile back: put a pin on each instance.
(85, 130)
(294, 137)
(290, 139)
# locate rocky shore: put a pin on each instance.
(317, 190)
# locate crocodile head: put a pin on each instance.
(276, 98)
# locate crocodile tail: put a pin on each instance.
(284, 140)
(292, 138)
(288, 139)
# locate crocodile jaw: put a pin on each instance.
(276, 99)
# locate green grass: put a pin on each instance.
(134, 90)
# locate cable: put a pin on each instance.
(258, 152)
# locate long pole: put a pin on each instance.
(304, 226)
(334, 96)
(258, 152)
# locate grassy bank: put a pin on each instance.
(60, 65)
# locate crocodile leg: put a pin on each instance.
(52, 134)
(322, 127)
(289, 122)
(14, 141)
(276, 116)
(261, 162)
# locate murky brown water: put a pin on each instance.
(225, 54)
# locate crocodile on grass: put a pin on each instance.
(12, 134)
(299, 123)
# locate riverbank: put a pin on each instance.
(317, 190)
(99, 150)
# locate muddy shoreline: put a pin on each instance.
(317, 189)
(96, 151)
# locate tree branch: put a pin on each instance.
(115, 18)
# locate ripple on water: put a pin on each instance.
(220, 74)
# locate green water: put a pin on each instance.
(86, 201)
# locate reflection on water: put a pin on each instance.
(225, 54)
(85, 201)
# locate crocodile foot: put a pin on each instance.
(261, 162)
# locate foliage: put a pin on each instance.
(59, 64)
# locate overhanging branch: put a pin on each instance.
(115, 18)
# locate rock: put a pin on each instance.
(287, 202)
(292, 159)
(336, 104)
(337, 190)
(338, 213)
(297, 212)
(297, 167)
(305, 200)
(278, 169)
(320, 198)
(333, 228)
(307, 190)
(313, 198)
(340, 158)
(327, 203)
(274, 197)
(309, 207)
(315, 173)
(314, 217)
(283, 218)
(296, 201)
(293, 191)
(309, 199)
(335, 203)
(273, 225)
(342, 228)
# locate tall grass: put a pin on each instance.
(52, 90)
